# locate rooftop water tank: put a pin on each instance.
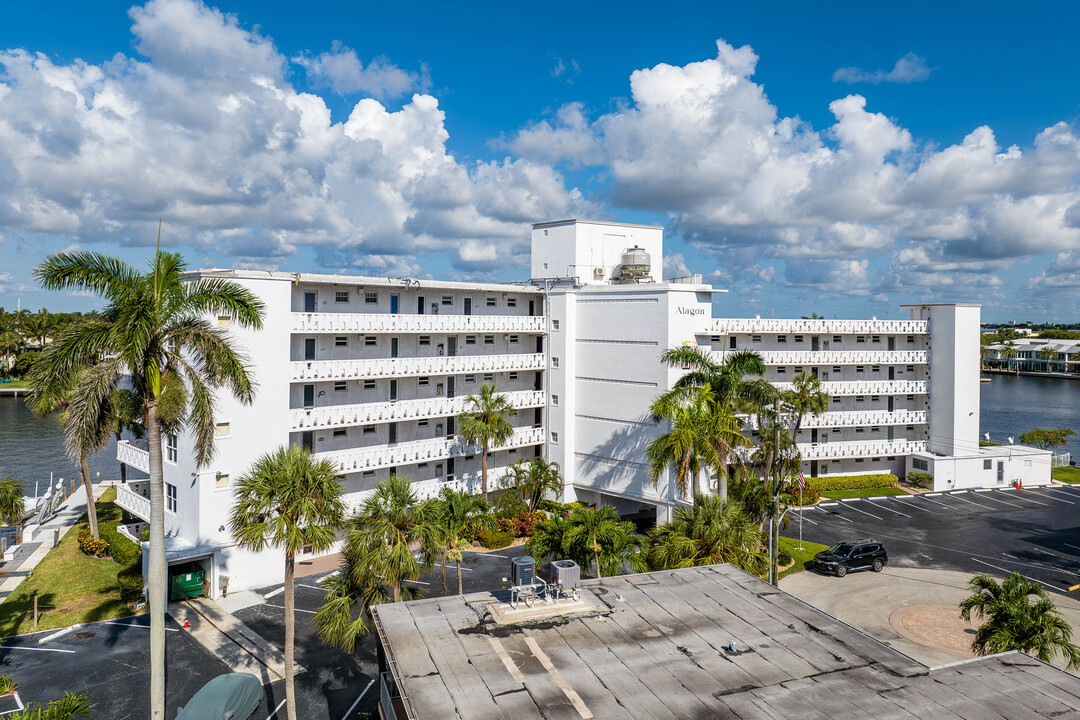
(636, 265)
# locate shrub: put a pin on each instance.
(122, 550)
(505, 525)
(90, 546)
(131, 583)
(493, 540)
(7, 685)
(551, 506)
(472, 531)
(144, 536)
(790, 494)
(920, 480)
(525, 522)
(853, 482)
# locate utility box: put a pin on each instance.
(186, 585)
(566, 574)
(522, 570)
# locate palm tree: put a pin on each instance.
(1010, 350)
(709, 531)
(458, 510)
(610, 541)
(122, 415)
(1013, 622)
(379, 559)
(12, 502)
(727, 378)
(288, 501)
(38, 326)
(155, 333)
(484, 422)
(1048, 354)
(533, 479)
(804, 398)
(550, 539)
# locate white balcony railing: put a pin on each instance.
(471, 483)
(842, 357)
(133, 456)
(379, 412)
(407, 453)
(858, 418)
(435, 324)
(868, 387)
(726, 326)
(859, 448)
(413, 367)
(135, 502)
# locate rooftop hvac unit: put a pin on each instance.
(636, 266)
(566, 574)
(598, 272)
(522, 570)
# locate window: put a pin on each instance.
(875, 368)
(781, 338)
(447, 299)
(470, 339)
(489, 377)
(511, 302)
(755, 338)
(368, 430)
(421, 465)
(554, 399)
(367, 474)
(910, 427)
(837, 368)
(911, 339)
(876, 338)
(859, 398)
(860, 368)
(421, 423)
(170, 497)
(798, 338)
(875, 429)
(836, 398)
(554, 362)
(920, 464)
(341, 432)
(911, 368)
(425, 340)
(513, 339)
(221, 480)
(836, 431)
(341, 296)
(170, 447)
(910, 397)
(492, 302)
(223, 322)
(513, 377)
(988, 464)
(837, 338)
(554, 324)
(489, 339)
(798, 369)
(470, 378)
(860, 430)
(781, 370)
(222, 429)
(859, 460)
(341, 341)
(371, 340)
(371, 297)
(369, 384)
(422, 381)
(341, 385)
(860, 338)
(554, 436)
(875, 398)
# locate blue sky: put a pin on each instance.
(839, 161)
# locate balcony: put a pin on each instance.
(859, 448)
(407, 453)
(306, 371)
(471, 483)
(868, 387)
(135, 498)
(842, 357)
(434, 324)
(858, 418)
(133, 456)
(380, 412)
(723, 326)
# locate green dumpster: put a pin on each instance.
(186, 585)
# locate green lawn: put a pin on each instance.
(1066, 474)
(862, 492)
(16, 384)
(71, 587)
(804, 559)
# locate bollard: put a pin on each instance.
(56, 537)
(3, 546)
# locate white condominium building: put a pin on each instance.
(370, 373)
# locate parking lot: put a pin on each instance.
(1035, 531)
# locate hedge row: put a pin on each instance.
(853, 482)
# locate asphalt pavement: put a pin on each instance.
(1035, 531)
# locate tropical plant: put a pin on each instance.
(1047, 439)
(456, 511)
(805, 397)
(709, 531)
(38, 326)
(7, 685)
(154, 334)
(378, 559)
(67, 707)
(484, 422)
(1013, 622)
(1048, 354)
(726, 379)
(533, 479)
(12, 501)
(288, 501)
(609, 541)
(1009, 350)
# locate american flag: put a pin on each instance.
(802, 480)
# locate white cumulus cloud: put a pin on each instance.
(341, 71)
(908, 69)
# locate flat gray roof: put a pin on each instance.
(366, 280)
(658, 647)
(573, 221)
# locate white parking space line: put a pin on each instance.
(1022, 497)
(133, 624)
(996, 567)
(936, 502)
(282, 607)
(914, 505)
(884, 507)
(995, 498)
(272, 593)
(276, 709)
(357, 701)
(313, 587)
(972, 502)
(849, 505)
(418, 582)
(838, 515)
(1074, 547)
(1058, 497)
(20, 647)
(1035, 562)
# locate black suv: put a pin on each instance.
(852, 555)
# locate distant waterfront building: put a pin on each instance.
(1033, 354)
(370, 373)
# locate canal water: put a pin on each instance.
(1012, 405)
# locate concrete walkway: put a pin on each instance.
(910, 609)
(33, 552)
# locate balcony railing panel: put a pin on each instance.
(725, 326)
(304, 371)
(435, 324)
(134, 502)
(380, 412)
(842, 357)
(855, 449)
(408, 453)
(858, 418)
(868, 387)
(133, 456)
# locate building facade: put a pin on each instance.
(370, 373)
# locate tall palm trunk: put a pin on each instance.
(290, 636)
(483, 469)
(702, 482)
(444, 572)
(596, 557)
(460, 590)
(397, 590)
(722, 482)
(158, 569)
(91, 509)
